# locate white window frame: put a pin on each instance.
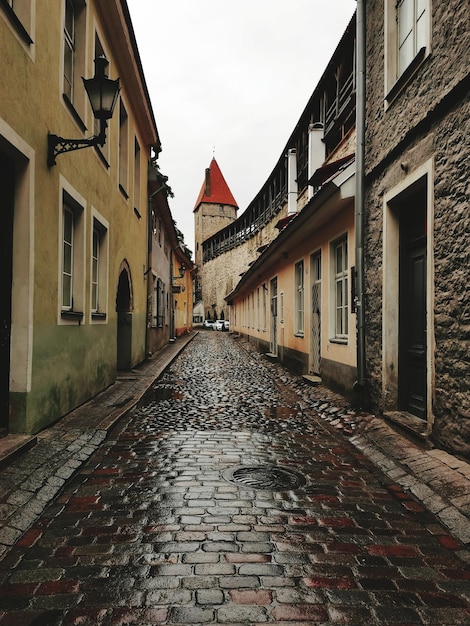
(418, 37)
(265, 305)
(69, 49)
(299, 298)
(340, 290)
(137, 185)
(72, 204)
(67, 258)
(21, 18)
(74, 54)
(159, 306)
(123, 148)
(99, 264)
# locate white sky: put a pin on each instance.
(230, 80)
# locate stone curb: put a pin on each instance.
(427, 474)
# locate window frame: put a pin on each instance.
(73, 205)
(74, 45)
(100, 228)
(159, 308)
(397, 77)
(20, 14)
(123, 149)
(137, 177)
(299, 298)
(340, 279)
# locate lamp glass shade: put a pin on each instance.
(102, 91)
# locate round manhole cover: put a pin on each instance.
(268, 477)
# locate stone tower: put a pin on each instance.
(215, 208)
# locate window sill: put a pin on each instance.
(76, 116)
(405, 77)
(339, 340)
(98, 316)
(301, 335)
(123, 191)
(101, 156)
(72, 316)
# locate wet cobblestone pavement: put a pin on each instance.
(190, 513)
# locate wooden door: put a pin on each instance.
(412, 379)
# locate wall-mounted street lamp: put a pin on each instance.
(102, 93)
(181, 272)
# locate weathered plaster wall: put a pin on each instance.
(65, 364)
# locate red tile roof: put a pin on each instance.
(214, 189)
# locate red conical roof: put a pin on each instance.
(214, 189)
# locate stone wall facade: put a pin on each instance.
(221, 274)
(420, 137)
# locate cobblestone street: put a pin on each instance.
(233, 495)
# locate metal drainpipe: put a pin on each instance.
(359, 200)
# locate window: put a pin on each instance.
(137, 177)
(67, 260)
(95, 263)
(99, 269)
(74, 60)
(407, 38)
(123, 148)
(69, 48)
(159, 303)
(299, 298)
(20, 14)
(72, 259)
(265, 291)
(341, 294)
(411, 31)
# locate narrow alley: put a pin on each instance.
(225, 497)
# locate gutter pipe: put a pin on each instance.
(359, 200)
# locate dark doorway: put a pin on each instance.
(7, 200)
(124, 323)
(412, 385)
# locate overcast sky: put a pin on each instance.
(230, 80)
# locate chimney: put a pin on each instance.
(207, 190)
(291, 182)
(316, 151)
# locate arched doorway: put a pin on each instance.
(124, 319)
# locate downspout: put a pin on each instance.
(359, 200)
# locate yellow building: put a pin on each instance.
(285, 268)
(74, 244)
(294, 301)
